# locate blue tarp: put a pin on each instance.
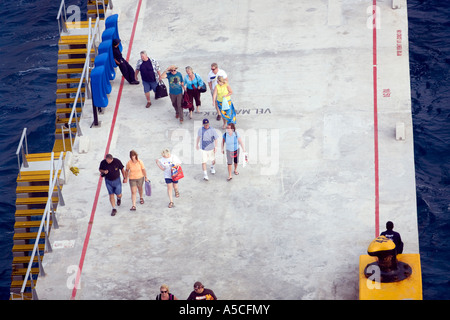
(103, 60)
(111, 22)
(106, 47)
(99, 87)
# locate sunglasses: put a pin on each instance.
(164, 291)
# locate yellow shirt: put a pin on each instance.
(135, 169)
(222, 90)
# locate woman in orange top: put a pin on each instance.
(137, 174)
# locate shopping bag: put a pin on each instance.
(148, 188)
(161, 90)
(177, 173)
(245, 162)
(186, 103)
(225, 103)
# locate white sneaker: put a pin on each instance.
(205, 178)
(213, 171)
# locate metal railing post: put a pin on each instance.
(21, 151)
(33, 291)
(62, 19)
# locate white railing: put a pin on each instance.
(49, 214)
(21, 150)
(62, 17)
(92, 37)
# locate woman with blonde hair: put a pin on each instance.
(222, 94)
(165, 294)
(193, 83)
(136, 174)
(165, 163)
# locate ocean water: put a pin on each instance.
(28, 54)
(429, 32)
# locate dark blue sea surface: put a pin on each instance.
(28, 55)
(429, 38)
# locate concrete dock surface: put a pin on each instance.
(294, 222)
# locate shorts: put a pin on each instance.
(114, 186)
(149, 86)
(137, 182)
(170, 181)
(232, 156)
(208, 155)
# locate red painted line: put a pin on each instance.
(375, 121)
(99, 184)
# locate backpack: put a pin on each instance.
(235, 139)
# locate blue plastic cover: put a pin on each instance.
(103, 60)
(98, 87)
(106, 47)
(111, 22)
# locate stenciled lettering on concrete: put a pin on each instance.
(258, 111)
(399, 43)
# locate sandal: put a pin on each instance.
(170, 204)
(133, 208)
(229, 179)
(235, 172)
(177, 194)
(142, 201)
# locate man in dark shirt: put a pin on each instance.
(394, 236)
(124, 66)
(150, 74)
(201, 293)
(110, 169)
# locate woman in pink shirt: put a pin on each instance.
(136, 173)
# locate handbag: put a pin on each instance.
(177, 173)
(148, 188)
(201, 88)
(226, 103)
(186, 102)
(161, 90)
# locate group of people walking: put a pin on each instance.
(181, 88)
(136, 174)
(188, 87)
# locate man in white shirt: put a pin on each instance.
(212, 82)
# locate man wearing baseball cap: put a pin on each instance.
(201, 293)
(208, 137)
